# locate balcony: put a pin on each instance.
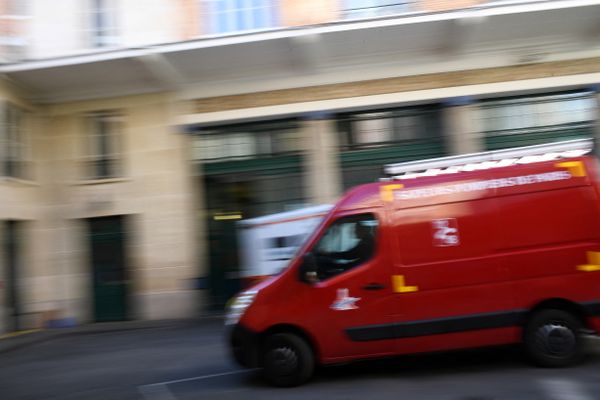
(486, 35)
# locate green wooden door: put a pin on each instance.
(11, 247)
(110, 285)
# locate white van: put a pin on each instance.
(268, 243)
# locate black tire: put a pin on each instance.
(287, 360)
(553, 338)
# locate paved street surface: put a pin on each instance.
(189, 361)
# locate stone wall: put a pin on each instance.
(155, 193)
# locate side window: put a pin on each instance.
(347, 243)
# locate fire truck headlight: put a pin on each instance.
(238, 306)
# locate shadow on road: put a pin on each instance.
(510, 359)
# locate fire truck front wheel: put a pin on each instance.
(553, 338)
(287, 360)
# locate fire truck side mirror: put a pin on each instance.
(308, 269)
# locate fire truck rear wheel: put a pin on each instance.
(287, 360)
(553, 338)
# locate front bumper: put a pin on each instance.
(244, 345)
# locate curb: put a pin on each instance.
(17, 340)
(22, 339)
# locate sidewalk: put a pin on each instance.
(16, 340)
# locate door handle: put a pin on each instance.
(374, 286)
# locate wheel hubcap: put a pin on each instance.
(284, 360)
(556, 340)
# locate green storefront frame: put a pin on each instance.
(230, 188)
(397, 152)
(237, 187)
(363, 161)
(502, 140)
(277, 164)
(536, 119)
(363, 166)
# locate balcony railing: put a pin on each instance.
(376, 8)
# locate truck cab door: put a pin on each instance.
(351, 288)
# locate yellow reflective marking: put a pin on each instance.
(576, 168)
(387, 191)
(227, 217)
(593, 264)
(588, 268)
(399, 287)
(593, 257)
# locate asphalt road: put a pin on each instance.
(190, 361)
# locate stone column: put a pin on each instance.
(322, 174)
(461, 126)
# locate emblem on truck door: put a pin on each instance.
(445, 232)
(344, 301)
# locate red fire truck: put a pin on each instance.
(485, 249)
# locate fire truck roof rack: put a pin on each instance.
(488, 159)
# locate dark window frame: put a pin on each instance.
(429, 116)
(14, 141)
(381, 9)
(103, 23)
(532, 99)
(104, 159)
(239, 19)
(356, 218)
(266, 132)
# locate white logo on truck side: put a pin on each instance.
(344, 301)
(445, 232)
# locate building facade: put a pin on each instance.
(133, 135)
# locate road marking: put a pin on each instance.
(160, 391)
(197, 378)
(563, 389)
(156, 392)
